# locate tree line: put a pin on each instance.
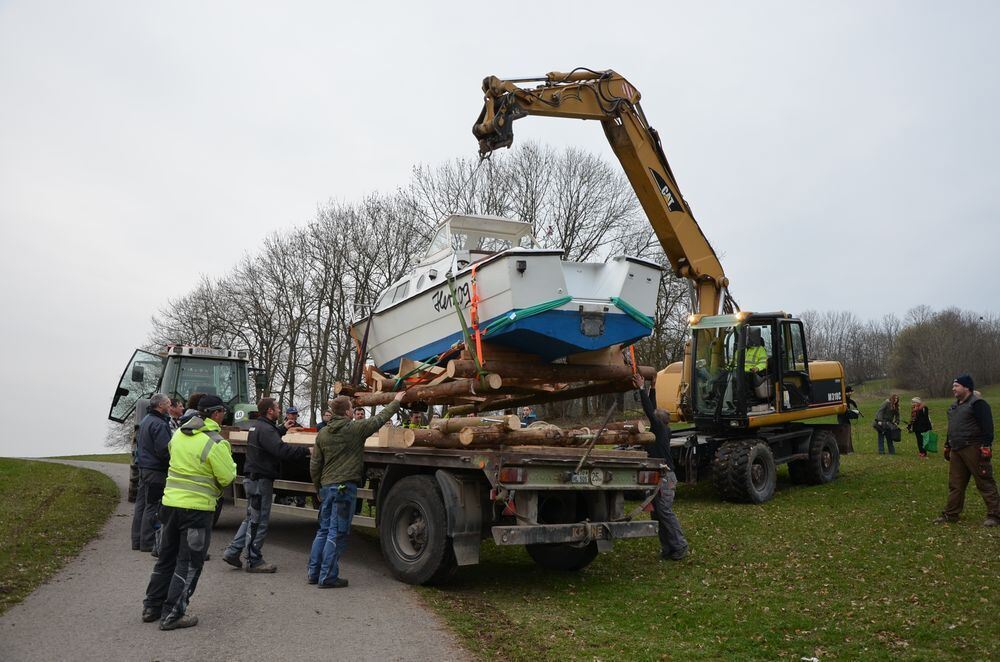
(292, 301)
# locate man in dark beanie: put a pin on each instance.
(968, 450)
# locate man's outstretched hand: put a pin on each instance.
(638, 380)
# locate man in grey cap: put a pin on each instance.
(968, 450)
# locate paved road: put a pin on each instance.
(91, 609)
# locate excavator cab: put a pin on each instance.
(748, 368)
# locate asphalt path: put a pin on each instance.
(91, 609)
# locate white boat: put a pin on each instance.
(527, 298)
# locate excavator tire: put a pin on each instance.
(823, 464)
(744, 471)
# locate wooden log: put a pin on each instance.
(456, 424)
(631, 426)
(549, 436)
(431, 438)
(343, 388)
(551, 372)
(461, 388)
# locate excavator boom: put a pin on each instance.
(607, 97)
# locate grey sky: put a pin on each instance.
(838, 155)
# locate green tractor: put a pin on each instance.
(179, 371)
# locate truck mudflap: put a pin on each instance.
(581, 532)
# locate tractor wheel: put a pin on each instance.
(744, 471)
(823, 464)
(133, 482)
(413, 532)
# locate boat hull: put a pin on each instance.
(529, 300)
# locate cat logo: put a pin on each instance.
(673, 204)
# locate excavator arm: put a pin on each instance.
(609, 98)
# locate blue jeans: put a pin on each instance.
(335, 517)
(884, 434)
(253, 530)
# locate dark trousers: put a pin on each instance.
(672, 541)
(147, 505)
(920, 442)
(183, 544)
(965, 463)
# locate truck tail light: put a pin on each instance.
(649, 477)
(513, 475)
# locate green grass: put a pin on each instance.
(849, 570)
(48, 512)
(117, 458)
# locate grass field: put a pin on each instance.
(117, 458)
(48, 512)
(849, 570)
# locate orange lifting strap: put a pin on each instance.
(474, 314)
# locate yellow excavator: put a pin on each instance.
(746, 382)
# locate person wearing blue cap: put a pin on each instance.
(968, 450)
(291, 419)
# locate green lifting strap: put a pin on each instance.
(426, 363)
(523, 313)
(633, 312)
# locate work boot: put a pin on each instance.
(233, 561)
(312, 580)
(339, 582)
(674, 556)
(185, 621)
(262, 568)
(944, 519)
(149, 615)
(991, 521)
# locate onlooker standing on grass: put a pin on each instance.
(265, 453)
(337, 469)
(887, 420)
(968, 450)
(152, 458)
(920, 422)
(673, 545)
(291, 419)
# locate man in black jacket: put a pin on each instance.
(152, 458)
(265, 452)
(673, 545)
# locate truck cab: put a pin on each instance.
(179, 371)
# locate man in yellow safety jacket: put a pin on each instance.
(201, 464)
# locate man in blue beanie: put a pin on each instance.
(968, 450)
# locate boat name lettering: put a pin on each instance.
(442, 298)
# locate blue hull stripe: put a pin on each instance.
(551, 335)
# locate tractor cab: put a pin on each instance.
(181, 370)
(750, 370)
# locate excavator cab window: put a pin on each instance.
(714, 379)
(794, 366)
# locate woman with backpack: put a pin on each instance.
(887, 424)
(920, 422)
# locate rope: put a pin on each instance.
(633, 312)
(524, 313)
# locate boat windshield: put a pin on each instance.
(459, 240)
(714, 370)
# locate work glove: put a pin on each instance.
(986, 452)
(947, 453)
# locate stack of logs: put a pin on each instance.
(491, 432)
(504, 385)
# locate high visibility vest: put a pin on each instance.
(201, 464)
(755, 357)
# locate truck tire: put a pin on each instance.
(413, 532)
(564, 556)
(823, 464)
(744, 471)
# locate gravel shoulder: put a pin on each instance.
(91, 608)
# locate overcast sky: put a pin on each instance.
(838, 155)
